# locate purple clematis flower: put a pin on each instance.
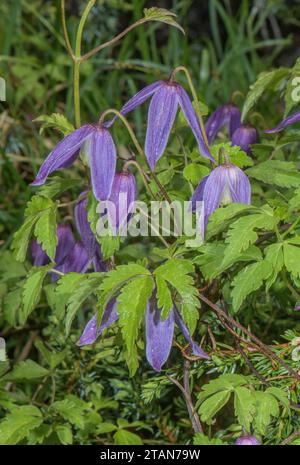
(244, 136)
(284, 123)
(159, 332)
(83, 226)
(123, 196)
(247, 440)
(65, 242)
(226, 184)
(166, 96)
(100, 151)
(227, 114)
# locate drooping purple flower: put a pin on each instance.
(77, 260)
(90, 332)
(166, 96)
(159, 332)
(83, 226)
(244, 136)
(227, 114)
(65, 242)
(284, 123)
(226, 184)
(159, 335)
(247, 440)
(101, 153)
(122, 198)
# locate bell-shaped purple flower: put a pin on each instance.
(100, 151)
(227, 114)
(226, 184)
(77, 260)
(91, 331)
(247, 440)
(166, 96)
(159, 332)
(244, 136)
(121, 201)
(83, 226)
(284, 123)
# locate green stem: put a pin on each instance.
(65, 30)
(140, 170)
(292, 227)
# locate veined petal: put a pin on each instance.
(161, 116)
(198, 193)
(84, 228)
(239, 185)
(159, 336)
(226, 114)
(213, 190)
(123, 195)
(98, 263)
(65, 242)
(103, 159)
(185, 332)
(284, 123)
(90, 332)
(192, 119)
(76, 261)
(39, 257)
(64, 154)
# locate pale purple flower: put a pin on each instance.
(284, 123)
(122, 197)
(228, 115)
(244, 136)
(226, 184)
(159, 332)
(83, 226)
(247, 440)
(77, 260)
(166, 96)
(99, 149)
(65, 242)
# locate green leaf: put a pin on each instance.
(236, 155)
(266, 408)
(132, 303)
(27, 370)
(104, 428)
(194, 172)
(11, 305)
(280, 395)
(10, 268)
(162, 15)
(294, 203)
(45, 231)
(56, 121)
(222, 217)
(70, 410)
(21, 239)
(56, 185)
(126, 438)
(291, 256)
(249, 280)
(32, 291)
(276, 172)
(227, 382)
(242, 233)
(244, 406)
(19, 423)
(274, 255)
(65, 434)
(119, 276)
(211, 406)
(266, 80)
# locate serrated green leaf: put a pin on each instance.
(201, 440)
(265, 80)
(222, 217)
(65, 434)
(126, 438)
(194, 172)
(211, 406)
(27, 370)
(56, 121)
(21, 239)
(244, 406)
(18, 423)
(70, 410)
(162, 15)
(45, 231)
(163, 295)
(276, 172)
(57, 185)
(291, 256)
(266, 408)
(249, 280)
(32, 290)
(274, 255)
(236, 155)
(132, 303)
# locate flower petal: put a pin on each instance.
(161, 116)
(90, 332)
(226, 114)
(185, 332)
(65, 242)
(123, 195)
(77, 260)
(159, 336)
(244, 136)
(239, 185)
(103, 159)
(84, 228)
(192, 119)
(213, 190)
(98, 263)
(198, 193)
(39, 257)
(64, 154)
(284, 123)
